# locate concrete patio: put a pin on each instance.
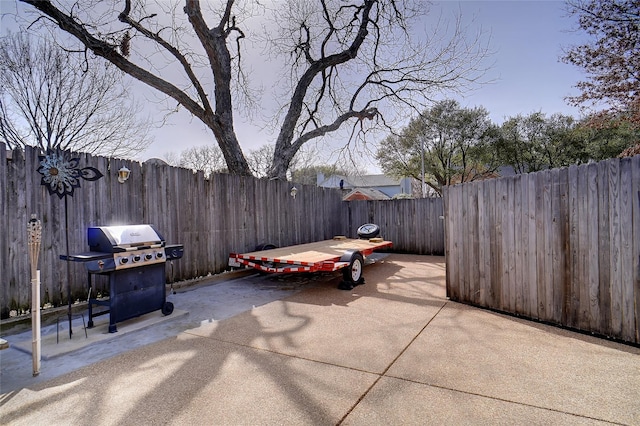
(393, 351)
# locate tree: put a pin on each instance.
(348, 62)
(260, 160)
(455, 143)
(206, 158)
(535, 142)
(612, 60)
(604, 138)
(209, 159)
(47, 100)
(308, 174)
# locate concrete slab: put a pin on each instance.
(478, 352)
(189, 380)
(364, 328)
(394, 351)
(210, 299)
(56, 341)
(394, 401)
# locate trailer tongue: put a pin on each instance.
(329, 255)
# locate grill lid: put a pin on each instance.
(117, 238)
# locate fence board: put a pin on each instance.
(541, 237)
(467, 246)
(614, 228)
(452, 278)
(583, 250)
(484, 247)
(530, 230)
(573, 296)
(557, 243)
(519, 243)
(494, 288)
(635, 196)
(511, 241)
(5, 223)
(627, 262)
(564, 275)
(592, 254)
(547, 220)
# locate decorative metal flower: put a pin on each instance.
(60, 173)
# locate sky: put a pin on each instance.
(526, 37)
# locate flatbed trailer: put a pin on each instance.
(329, 255)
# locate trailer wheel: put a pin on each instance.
(368, 230)
(352, 274)
(167, 308)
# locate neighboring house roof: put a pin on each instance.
(365, 194)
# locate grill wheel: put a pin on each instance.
(167, 308)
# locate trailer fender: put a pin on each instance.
(352, 273)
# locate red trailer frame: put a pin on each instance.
(328, 255)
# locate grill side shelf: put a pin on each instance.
(86, 257)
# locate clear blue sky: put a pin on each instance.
(527, 37)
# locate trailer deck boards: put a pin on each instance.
(319, 256)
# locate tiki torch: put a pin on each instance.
(34, 229)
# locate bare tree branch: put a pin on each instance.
(351, 62)
(48, 102)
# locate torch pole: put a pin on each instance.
(66, 231)
(34, 230)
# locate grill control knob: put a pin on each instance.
(159, 255)
(123, 260)
(136, 258)
(148, 256)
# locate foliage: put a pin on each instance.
(612, 60)
(605, 137)
(48, 100)
(456, 142)
(631, 151)
(352, 64)
(534, 142)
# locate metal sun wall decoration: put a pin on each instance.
(61, 176)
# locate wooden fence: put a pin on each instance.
(414, 225)
(559, 246)
(211, 217)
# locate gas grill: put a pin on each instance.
(133, 257)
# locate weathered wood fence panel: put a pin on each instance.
(560, 246)
(413, 225)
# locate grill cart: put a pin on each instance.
(133, 257)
